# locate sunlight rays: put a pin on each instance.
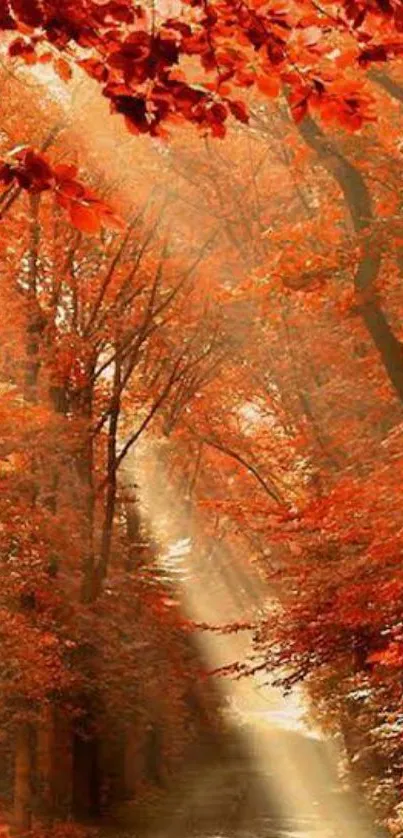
(297, 774)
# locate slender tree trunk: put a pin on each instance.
(86, 789)
(54, 763)
(111, 487)
(85, 468)
(392, 87)
(36, 319)
(359, 204)
(153, 755)
(23, 778)
(131, 766)
(46, 746)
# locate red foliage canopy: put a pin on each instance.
(141, 59)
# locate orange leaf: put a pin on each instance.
(63, 69)
(269, 85)
(346, 59)
(85, 219)
(176, 74)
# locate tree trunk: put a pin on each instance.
(359, 204)
(153, 755)
(111, 477)
(392, 87)
(85, 469)
(23, 778)
(55, 767)
(36, 319)
(46, 744)
(86, 789)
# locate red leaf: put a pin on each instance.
(239, 111)
(85, 219)
(71, 189)
(6, 174)
(299, 110)
(378, 52)
(65, 172)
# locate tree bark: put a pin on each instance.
(153, 755)
(392, 87)
(54, 763)
(46, 744)
(111, 486)
(23, 778)
(36, 320)
(86, 788)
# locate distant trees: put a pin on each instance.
(101, 339)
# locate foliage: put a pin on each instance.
(155, 68)
(246, 315)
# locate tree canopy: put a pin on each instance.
(157, 64)
(232, 297)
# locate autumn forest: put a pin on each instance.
(201, 416)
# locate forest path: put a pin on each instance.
(279, 777)
(232, 798)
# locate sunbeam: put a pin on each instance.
(300, 777)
